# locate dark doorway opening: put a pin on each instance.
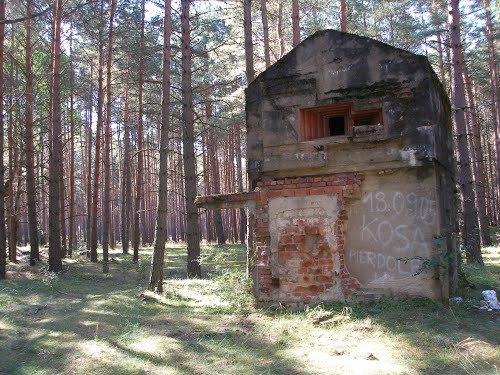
(336, 125)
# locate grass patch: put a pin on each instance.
(85, 322)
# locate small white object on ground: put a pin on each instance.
(490, 296)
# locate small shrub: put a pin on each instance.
(235, 288)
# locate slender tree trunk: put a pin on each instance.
(89, 169)
(296, 22)
(247, 31)
(156, 279)
(126, 175)
(495, 106)
(279, 30)
(439, 43)
(72, 229)
(44, 224)
(470, 233)
(214, 165)
(3, 242)
(55, 177)
(13, 164)
(250, 73)
(140, 155)
(343, 16)
(97, 175)
(62, 195)
(265, 29)
(239, 181)
(477, 162)
(107, 148)
(192, 225)
(29, 147)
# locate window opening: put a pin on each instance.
(337, 120)
(336, 125)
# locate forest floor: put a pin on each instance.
(85, 322)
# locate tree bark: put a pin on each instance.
(247, 31)
(214, 166)
(477, 162)
(250, 74)
(343, 16)
(97, 159)
(470, 233)
(107, 148)
(127, 179)
(295, 23)
(439, 43)
(239, 181)
(279, 30)
(192, 224)
(29, 147)
(3, 242)
(495, 106)
(55, 177)
(72, 229)
(156, 279)
(265, 29)
(140, 155)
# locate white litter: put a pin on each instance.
(490, 296)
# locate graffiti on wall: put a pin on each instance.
(392, 226)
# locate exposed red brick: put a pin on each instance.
(319, 184)
(299, 239)
(298, 222)
(307, 263)
(311, 230)
(323, 279)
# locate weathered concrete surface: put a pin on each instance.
(349, 217)
(392, 228)
(332, 67)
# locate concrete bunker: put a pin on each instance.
(351, 174)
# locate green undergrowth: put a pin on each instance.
(82, 321)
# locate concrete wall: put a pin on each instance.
(336, 217)
(332, 67)
(391, 229)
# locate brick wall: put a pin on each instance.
(305, 261)
(301, 258)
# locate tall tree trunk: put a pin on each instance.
(126, 175)
(343, 16)
(156, 279)
(192, 224)
(97, 165)
(72, 229)
(279, 31)
(470, 233)
(495, 106)
(3, 242)
(439, 43)
(239, 181)
(477, 162)
(214, 165)
(295, 23)
(62, 195)
(247, 31)
(89, 168)
(265, 29)
(140, 155)
(55, 177)
(29, 147)
(250, 74)
(13, 164)
(107, 148)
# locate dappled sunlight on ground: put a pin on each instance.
(86, 322)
